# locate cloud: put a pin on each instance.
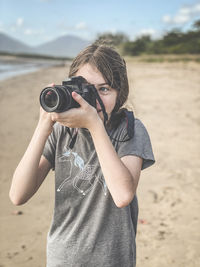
(19, 22)
(81, 26)
(154, 34)
(17, 25)
(149, 31)
(178, 19)
(184, 15)
(33, 32)
(113, 30)
(28, 32)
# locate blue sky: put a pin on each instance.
(38, 21)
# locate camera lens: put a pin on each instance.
(50, 99)
(56, 99)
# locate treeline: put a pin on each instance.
(172, 42)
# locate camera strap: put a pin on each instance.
(130, 127)
(105, 115)
(73, 137)
(130, 123)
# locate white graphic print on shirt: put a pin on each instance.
(85, 180)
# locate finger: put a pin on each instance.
(51, 85)
(54, 116)
(78, 98)
(60, 116)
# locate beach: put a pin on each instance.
(166, 98)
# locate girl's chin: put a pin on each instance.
(100, 113)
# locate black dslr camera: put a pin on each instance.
(59, 98)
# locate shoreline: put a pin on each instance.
(11, 66)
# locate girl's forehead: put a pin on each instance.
(91, 74)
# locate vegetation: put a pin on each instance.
(173, 42)
(35, 56)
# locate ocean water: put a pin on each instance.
(9, 68)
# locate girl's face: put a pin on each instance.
(106, 93)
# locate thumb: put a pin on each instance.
(78, 98)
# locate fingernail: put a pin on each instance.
(74, 93)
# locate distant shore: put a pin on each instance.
(11, 66)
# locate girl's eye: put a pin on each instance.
(103, 89)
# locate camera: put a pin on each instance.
(59, 97)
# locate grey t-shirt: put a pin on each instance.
(88, 229)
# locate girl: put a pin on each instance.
(96, 210)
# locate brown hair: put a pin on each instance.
(112, 67)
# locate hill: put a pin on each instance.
(11, 45)
(65, 46)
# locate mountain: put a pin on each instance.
(65, 46)
(9, 44)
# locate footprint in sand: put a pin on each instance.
(155, 196)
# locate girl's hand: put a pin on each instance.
(46, 123)
(85, 116)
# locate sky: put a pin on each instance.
(38, 21)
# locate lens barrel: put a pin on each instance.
(56, 99)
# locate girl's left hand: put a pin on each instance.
(83, 117)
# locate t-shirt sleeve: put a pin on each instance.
(139, 145)
(50, 147)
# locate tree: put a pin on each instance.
(196, 25)
(173, 37)
(113, 39)
(137, 47)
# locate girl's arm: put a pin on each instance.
(33, 167)
(121, 175)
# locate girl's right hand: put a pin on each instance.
(46, 123)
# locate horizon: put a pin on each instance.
(36, 22)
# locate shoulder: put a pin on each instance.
(128, 129)
(139, 127)
(139, 144)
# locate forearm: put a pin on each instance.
(25, 178)
(118, 178)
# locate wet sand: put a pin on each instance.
(166, 98)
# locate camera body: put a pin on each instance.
(59, 97)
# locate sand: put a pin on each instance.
(166, 98)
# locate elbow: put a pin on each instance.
(124, 201)
(17, 201)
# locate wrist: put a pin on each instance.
(96, 127)
(42, 130)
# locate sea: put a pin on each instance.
(10, 67)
